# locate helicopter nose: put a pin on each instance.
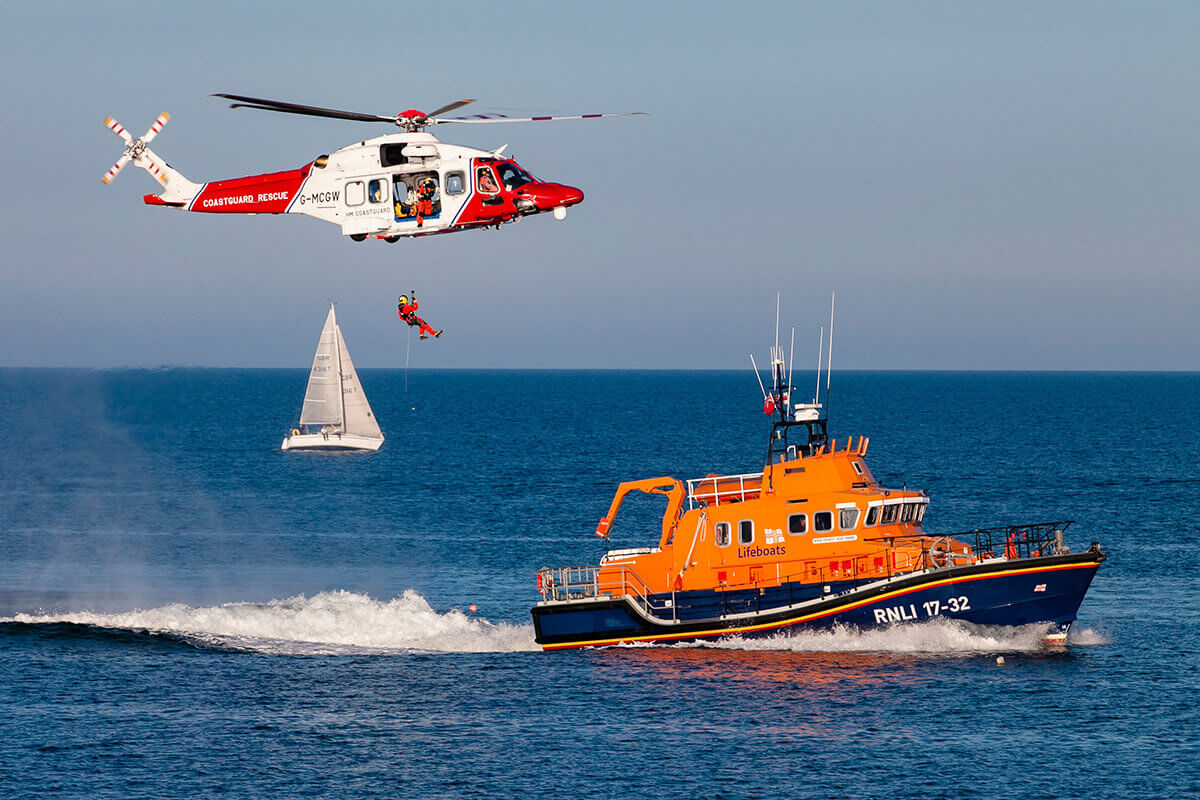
(552, 195)
(571, 196)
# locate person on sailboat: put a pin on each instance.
(406, 309)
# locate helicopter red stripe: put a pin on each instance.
(271, 193)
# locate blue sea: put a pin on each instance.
(187, 611)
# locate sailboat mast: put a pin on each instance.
(337, 343)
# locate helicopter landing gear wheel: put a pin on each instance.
(358, 237)
(391, 239)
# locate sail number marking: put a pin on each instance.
(931, 608)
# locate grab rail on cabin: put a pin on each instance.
(715, 489)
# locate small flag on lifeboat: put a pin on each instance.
(769, 405)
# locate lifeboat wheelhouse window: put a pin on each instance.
(889, 514)
(872, 517)
(847, 518)
(722, 534)
(920, 513)
(857, 467)
(823, 521)
(906, 513)
(797, 523)
(746, 532)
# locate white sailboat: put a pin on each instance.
(336, 414)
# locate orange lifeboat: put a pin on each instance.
(812, 540)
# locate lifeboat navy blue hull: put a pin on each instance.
(1041, 590)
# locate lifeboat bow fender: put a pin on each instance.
(671, 487)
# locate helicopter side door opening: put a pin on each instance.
(417, 196)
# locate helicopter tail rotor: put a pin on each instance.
(177, 187)
(136, 150)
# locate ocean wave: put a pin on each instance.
(332, 623)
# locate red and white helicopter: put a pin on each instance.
(401, 184)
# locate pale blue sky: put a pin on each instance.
(987, 186)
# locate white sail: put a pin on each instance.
(322, 398)
(359, 419)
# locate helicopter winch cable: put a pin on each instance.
(407, 356)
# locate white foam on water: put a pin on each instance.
(936, 637)
(1086, 637)
(337, 622)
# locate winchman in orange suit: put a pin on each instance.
(406, 309)
(423, 207)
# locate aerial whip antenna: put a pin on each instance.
(777, 319)
(760, 383)
(820, 350)
(791, 364)
(829, 361)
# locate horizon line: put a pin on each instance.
(168, 367)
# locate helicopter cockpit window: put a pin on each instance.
(485, 181)
(512, 176)
(455, 183)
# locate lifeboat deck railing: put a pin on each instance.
(580, 583)
(1017, 541)
(717, 489)
(1028, 540)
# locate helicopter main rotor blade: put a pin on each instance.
(450, 107)
(479, 119)
(295, 108)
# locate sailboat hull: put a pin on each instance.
(332, 441)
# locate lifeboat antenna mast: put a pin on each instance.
(778, 402)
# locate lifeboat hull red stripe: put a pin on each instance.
(1006, 595)
(271, 193)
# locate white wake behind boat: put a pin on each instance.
(336, 414)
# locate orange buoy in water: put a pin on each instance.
(472, 608)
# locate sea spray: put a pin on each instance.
(935, 637)
(329, 622)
